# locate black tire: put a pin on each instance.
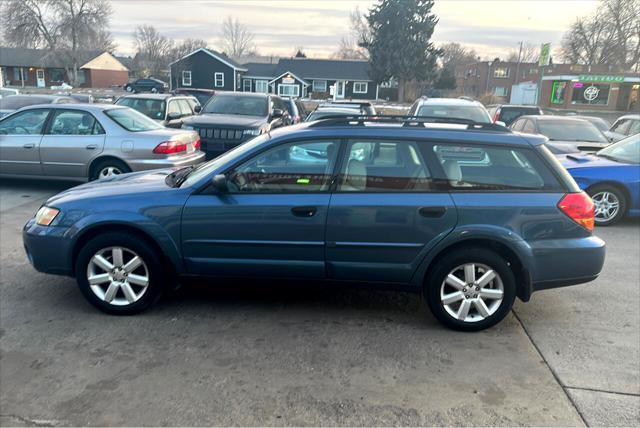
(615, 193)
(460, 257)
(146, 252)
(101, 165)
(128, 88)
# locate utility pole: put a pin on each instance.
(518, 63)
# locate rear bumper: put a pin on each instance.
(47, 248)
(170, 162)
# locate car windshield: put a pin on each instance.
(571, 130)
(241, 105)
(475, 113)
(509, 114)
(627, 150)
(14, 102)
(599, 123)
(131, 120)
(319, 114)
(150, 108)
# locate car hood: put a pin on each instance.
(119, 185)
(583, 160)
(226, 119)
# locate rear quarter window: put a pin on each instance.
(491, 168)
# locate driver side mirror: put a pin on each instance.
(501, 123)
(173, 116)
(219, 182)
(277, 113)
(197, 109)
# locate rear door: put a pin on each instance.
(72, 139)
(386, 212)
(20, 136)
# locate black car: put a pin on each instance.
(169, 110)
(231, 118)
(202, 95)
(296, 110)
(146, 85)
(507, 113)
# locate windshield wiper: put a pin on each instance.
(178, 176)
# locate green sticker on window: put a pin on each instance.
(303, 181)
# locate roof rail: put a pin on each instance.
(405, 121)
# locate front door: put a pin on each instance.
(20, 137)
(40, 78)
(386, 212)
(270, 222)
(340, 87)
(72, 139)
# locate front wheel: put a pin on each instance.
(471, 289)
(610, 203)
(119, 274)
(128, 88)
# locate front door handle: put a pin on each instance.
(29, 146)
(304, 211)
(92, 147)
(432, 212)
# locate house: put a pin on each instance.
(42, 68)
(291, 77)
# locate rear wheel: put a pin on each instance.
(610, 203)
(128, 88)
(107, 168)
(471, 289)
(119, 274)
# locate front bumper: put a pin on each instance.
(48, 248)
(180, 161)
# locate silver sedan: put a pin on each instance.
(90, 141)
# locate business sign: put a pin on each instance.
(591, 93)
(545, 54)
(600, 78)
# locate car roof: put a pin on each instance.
(325, 109)
(40, 96)
(243, 94)
(629, 116)
(447, 102)
(156, 96)
(76, 106)
(550, 118)
(515, 105)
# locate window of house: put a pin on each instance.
(186, 78)
(590, 93)
(319, 86)
(288, 90)
(500, 91)
(81, 77)
(501, 72)
(262, 86)
(56, 75)
(291, 168)
(360, 87)
(246, 85)
(218, 80)
(384, 166)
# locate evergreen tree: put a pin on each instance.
(400, 44)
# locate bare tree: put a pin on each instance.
(359, 33)
(528, 53)
(298, 52)
(236, 38)
(153, 50)
(454, 54)
(29, 24)
(609, 36)
(186, 47)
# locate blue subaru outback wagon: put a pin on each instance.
(471, 215)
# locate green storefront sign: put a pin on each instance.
(600, 78)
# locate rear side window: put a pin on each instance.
(509, 114)
(494, 168)
(384, 166)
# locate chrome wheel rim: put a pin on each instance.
(471, 292)
(129, 89)
(607, 206)
(109, 171)
(118, 276)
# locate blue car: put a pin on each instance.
(469, 215)
(611, 177)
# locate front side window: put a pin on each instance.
(262, 86)
(288, 90)
(24, 123)
(494, 168)
(384, 166)
(74, 122)
(186, 78)
(173, 109)
(218, 80)
(288, 168)
(360, 87)
(621, 126)
(319, 86)
(528, 127)
(131, 120)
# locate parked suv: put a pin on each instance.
(507, 113)
(450, 108)
(168, 110)
(471, 216)
(147, 85)
(230, 118)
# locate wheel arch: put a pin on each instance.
(101, 158)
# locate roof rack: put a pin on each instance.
(405, 121)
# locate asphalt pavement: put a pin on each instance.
(253, 354)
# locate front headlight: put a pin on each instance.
(46, 215)
(191, 128)
(252, 132)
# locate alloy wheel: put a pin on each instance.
(607, 206)
(108, 171)
(472, 292)
(117, 276)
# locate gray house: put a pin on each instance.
(294, 77)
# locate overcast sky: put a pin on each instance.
(491, 27)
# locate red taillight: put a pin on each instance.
(580, 208)
(197, 144)
(496, 115)
(170, 147)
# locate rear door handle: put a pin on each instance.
(29, 146)
(432, 212)
(92, 146)
(304, 211)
